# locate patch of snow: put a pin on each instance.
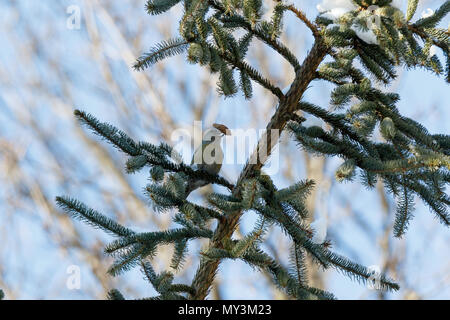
(433, 51)
(397, 4)
(366, 36)
(334, 9)
(427, 13)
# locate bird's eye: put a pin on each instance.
(213, 138)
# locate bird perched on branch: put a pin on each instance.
(208, 156)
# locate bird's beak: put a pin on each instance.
(222, 128)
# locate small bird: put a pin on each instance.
(209, 155)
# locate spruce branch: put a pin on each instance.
(129, 258)
(161, 51)
(297, 258)
(251, 72)
(257, 32)
(404, 213)
(301, 15)
(179, 254)
(436, 17)
(155, 7)
(108, 132)
(80, 211)
(360, 273)
(115, 294)
(412, 7)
